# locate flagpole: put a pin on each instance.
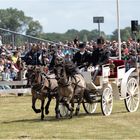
(118, 27)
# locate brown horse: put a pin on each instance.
(43, 86)
(70, 87)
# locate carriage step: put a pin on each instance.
(92, 95)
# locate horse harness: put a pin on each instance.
(44, 75)
(71, 83)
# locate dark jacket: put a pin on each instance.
(52, 63)
(80, 59)
(99, 57)
(32, 58)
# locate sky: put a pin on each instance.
(61, 15)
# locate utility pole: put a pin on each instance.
(98, 20)
(118, 27)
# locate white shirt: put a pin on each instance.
(0, 43)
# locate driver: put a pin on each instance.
(100, 56)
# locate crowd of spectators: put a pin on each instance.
(45, 53)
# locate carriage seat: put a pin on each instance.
(116, 63)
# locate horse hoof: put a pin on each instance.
(46, 112)
(76, 113)
(58, 116)
(38, 111)
(71, 116)
(42, 118)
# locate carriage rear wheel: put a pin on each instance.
(132, 95)
(63, 110)
(89, 108)
(107, 101)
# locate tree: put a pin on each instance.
(83, 35)
(34, 28)
(15, 20)
(94, 34)
(85, 38)
(71, 34)
(12, 19)
(125, 34)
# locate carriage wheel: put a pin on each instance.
(107, 101)
(132, 96)
(89, 107)
(63, 110)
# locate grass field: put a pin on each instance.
(18, 121)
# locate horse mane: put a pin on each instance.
(70, 69)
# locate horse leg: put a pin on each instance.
(72, 108)
(42, 109)
(33, 105)
(48, 104)
(57, 111)
(78, 106)
(67, 105)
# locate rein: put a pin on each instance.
(64, 85)
(71, 83)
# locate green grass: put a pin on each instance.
(18, 121)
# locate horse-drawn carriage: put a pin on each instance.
(117, 83)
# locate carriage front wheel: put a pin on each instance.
(132, 95)
(107, 101)
(89, 107)
(64, 112)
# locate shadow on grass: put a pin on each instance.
(120, 112)
(53, 119)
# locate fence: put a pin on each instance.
(18, 39)
(15, 38)
(18, 88)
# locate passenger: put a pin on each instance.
(82, 57)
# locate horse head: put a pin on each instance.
(32, 75)
(59, 60)
(60, 73)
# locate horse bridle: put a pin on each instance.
(62, 84)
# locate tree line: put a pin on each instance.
(16, 20)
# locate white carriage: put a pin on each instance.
(120, 84)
